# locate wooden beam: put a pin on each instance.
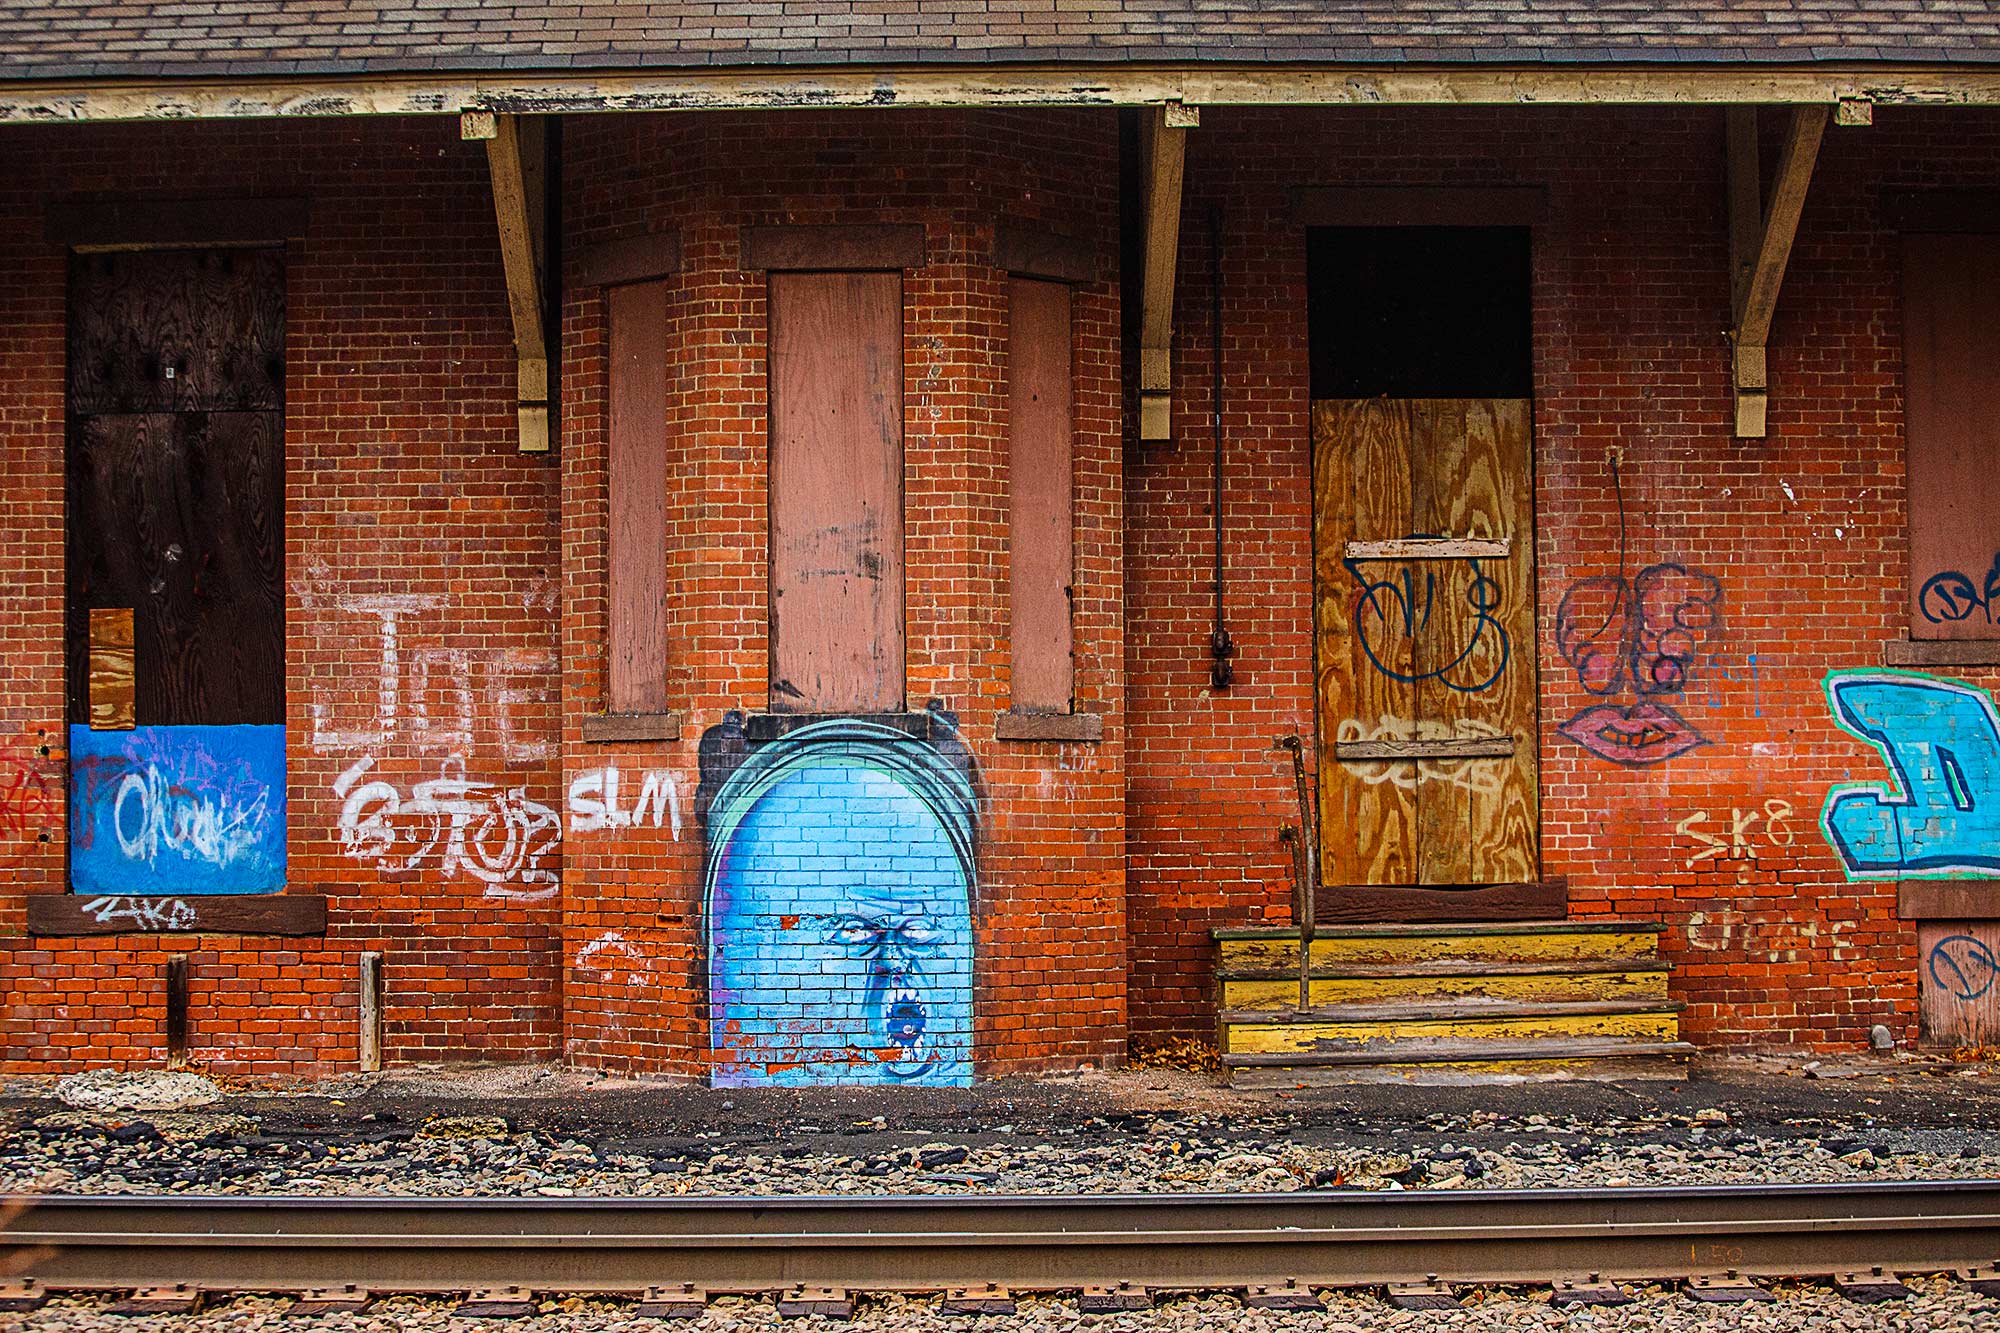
(1162, 163)
(906, 84)
(514, 159)
(1760, 245)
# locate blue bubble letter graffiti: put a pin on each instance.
(1941, 741)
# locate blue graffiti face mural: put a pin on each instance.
(177, 810)
(1941, 741)
(840, 871)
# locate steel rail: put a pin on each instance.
(1037, 1242)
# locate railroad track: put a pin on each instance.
(999, 1243)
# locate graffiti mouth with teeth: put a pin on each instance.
(1641, 734)
(893, 948)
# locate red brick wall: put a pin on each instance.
(404, 494)
(1049, 987)
(1805, 531)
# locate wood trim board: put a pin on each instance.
(1534, 900)
(839, 249)
(192, 914)
(641, 258)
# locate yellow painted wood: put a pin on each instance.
(1534, 988)
(1551, 947)
(1305, 1037)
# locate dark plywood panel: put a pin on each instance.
(181, 517)
(194, 914)
(1040, 254)
(1951, 378)
(1041, 543)
(177, 331)
(836, 386)
(638, 491)
(1537, 900)
(1418, 206)
(112, 705)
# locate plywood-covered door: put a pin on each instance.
(1426, 653)
(836, 374)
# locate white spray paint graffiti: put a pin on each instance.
(614, 959)
(495, 834)
(142, 913)
(1778, 938)
(1477, 775)
(427, 697)
(152, 811)
(594, 801)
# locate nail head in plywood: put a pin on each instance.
(113, 691)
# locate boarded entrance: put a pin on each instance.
(1424, 577)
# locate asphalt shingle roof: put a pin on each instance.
(48, 39)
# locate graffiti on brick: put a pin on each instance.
(141, 913)
(1394, 606)
(1474, 775)
(841, 866)
(1739, 838)
(1963, 967)
(1637, 642)
(1952, 596)
(455, 826)
(489, 831)
(1939, 812)
(614, 961)
(1775, 936)
(177, 810)
(30, 787)
(426, 697)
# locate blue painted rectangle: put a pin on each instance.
(177, 810)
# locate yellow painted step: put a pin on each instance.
(1308, 1035)
(1639, 986)
(1240, 951)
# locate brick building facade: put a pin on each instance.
(546, 756)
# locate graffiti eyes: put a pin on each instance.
(861, 931)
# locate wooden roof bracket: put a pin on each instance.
(516, 160)
(1162, 154)
(1760, 243)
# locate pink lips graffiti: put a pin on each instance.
(1642, 734)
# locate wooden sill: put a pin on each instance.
(194, 914)
(1941, 652)
(604, 728)
(1948, 900)
(1084, 727)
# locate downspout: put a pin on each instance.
(1221, 648)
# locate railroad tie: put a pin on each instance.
(683, 1300)
(1874, 1287)
(802, 1302)
(1731, 1287)
(1984, 1279)
(177, 1299)
(1429, 1294)
(1113, 1300)
(497, 1303)
(1287, 1295)
(1593, 1290)
(989, 1299)
(20, 1297)
(345, 1299)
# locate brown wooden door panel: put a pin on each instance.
(1951, 379)
(181, 518)
(1425, 649)
(637, 449)
(836, 386)
(177, 331)
(1041, 538)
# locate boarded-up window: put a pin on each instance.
(175, 570)
(1041, 540)
(836, 386)
(1951, 379)
(638, 492)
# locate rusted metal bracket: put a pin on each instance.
(1593, 1290)
(497, 1303)
(1113, 1300)
(989, 1299)
(1287, 1296)
(1731, 1288)
(683, 1300)
(1430, 1294)
(1875, 1287)
(1305, 860)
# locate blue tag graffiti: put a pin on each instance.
(1941, 742)
(840, 872)
(177, 810)
(1963, 967)
(1391, 611)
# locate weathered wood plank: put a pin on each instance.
(1432, 548)
(148, 223)
(1948, 899)
(1162, 165)
(1958, 984)
(604, 728)
(1012, 726)
(113, 702)
(1756, 292)
(1468, 747)
(514, 162)
(1308, 1036)
(1030, 253)
(642, 258)
(195, 914)
(1624, 987)
(636, 449)
(1533, 900)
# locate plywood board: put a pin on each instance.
(836, 377)
(1958, 984)
(111, 697)
(177, 331)
(637, 463)
(1951, 376)
(1041, 542)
